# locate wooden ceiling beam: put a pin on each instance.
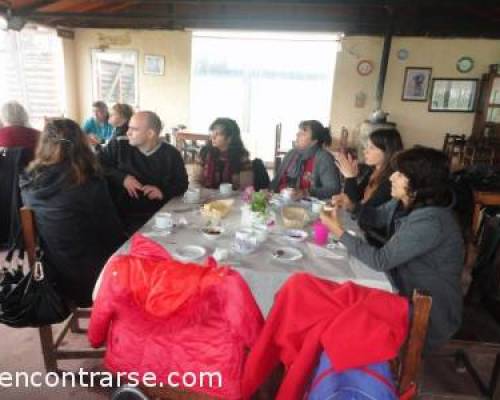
(34, 6)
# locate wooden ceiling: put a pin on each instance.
(458, 18)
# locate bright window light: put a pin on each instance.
(261, 79)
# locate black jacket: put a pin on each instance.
(164, 169)
(78, 228)
(354, 188)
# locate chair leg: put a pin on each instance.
(48, 350)
(495, 378)
(74, 326)
(463, 362)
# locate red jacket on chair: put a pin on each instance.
(355, 325)
(159, 315)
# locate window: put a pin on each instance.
(261, 79)
(114, 76)
(32, 71)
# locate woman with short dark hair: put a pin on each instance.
(75, 217)
(224, 159)
(426, 248)
(308, 168)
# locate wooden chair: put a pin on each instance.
(51, 347)
(478, 153)
(344, 139)
(278, 153)
(454, 147)
(481, 200)
(407, 365)
(187, 144)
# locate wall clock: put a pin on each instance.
(365, 67)
(403, 54)
(465, 64)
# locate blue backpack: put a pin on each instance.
(373, 382)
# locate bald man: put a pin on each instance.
(143, 171)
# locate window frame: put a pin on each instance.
(93, 72)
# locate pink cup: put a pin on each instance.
(320, 233)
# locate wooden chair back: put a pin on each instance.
(408, 364)
(278, 153)
(187, 144)
(51, 346)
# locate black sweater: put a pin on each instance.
(164, 169)
(78, 228)
(354, 188)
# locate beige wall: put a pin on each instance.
(168, 95)
(415, 123)
(71, 80)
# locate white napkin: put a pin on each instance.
(319, 251)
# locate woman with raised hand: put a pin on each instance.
(370, 186)
(425, 250)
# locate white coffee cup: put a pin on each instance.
(192, 195)
(287, 193)
(164, 220)
(317, 206)
(245, 241)
(220, 254)
(226, 188)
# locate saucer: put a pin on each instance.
(163, 228)
(287, 254)
(189, 253)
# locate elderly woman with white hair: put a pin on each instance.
(14, 128)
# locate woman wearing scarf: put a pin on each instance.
(224, 159)
(308, 168)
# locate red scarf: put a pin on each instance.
(217, 170)
(305, 181)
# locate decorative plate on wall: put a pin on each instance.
(365, 67)
(403, 54)
(465, 64)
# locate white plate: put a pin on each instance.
(189, 253)
(287, 254)
(295, 235)
(167, 229)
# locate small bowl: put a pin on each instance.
(212, 232)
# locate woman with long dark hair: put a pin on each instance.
(75, 217)
(308, 168)
(370, 187)
(224, 159)
(426, 247)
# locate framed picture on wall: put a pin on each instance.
(154, 65)
(416, 83)
(453, 95)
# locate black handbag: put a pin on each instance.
(29, 300)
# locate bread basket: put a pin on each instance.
(294, 217)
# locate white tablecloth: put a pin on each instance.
(263, 273)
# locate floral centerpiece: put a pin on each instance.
(256, 210)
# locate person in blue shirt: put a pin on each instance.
(97, 127)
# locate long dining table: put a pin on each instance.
(262, 271)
